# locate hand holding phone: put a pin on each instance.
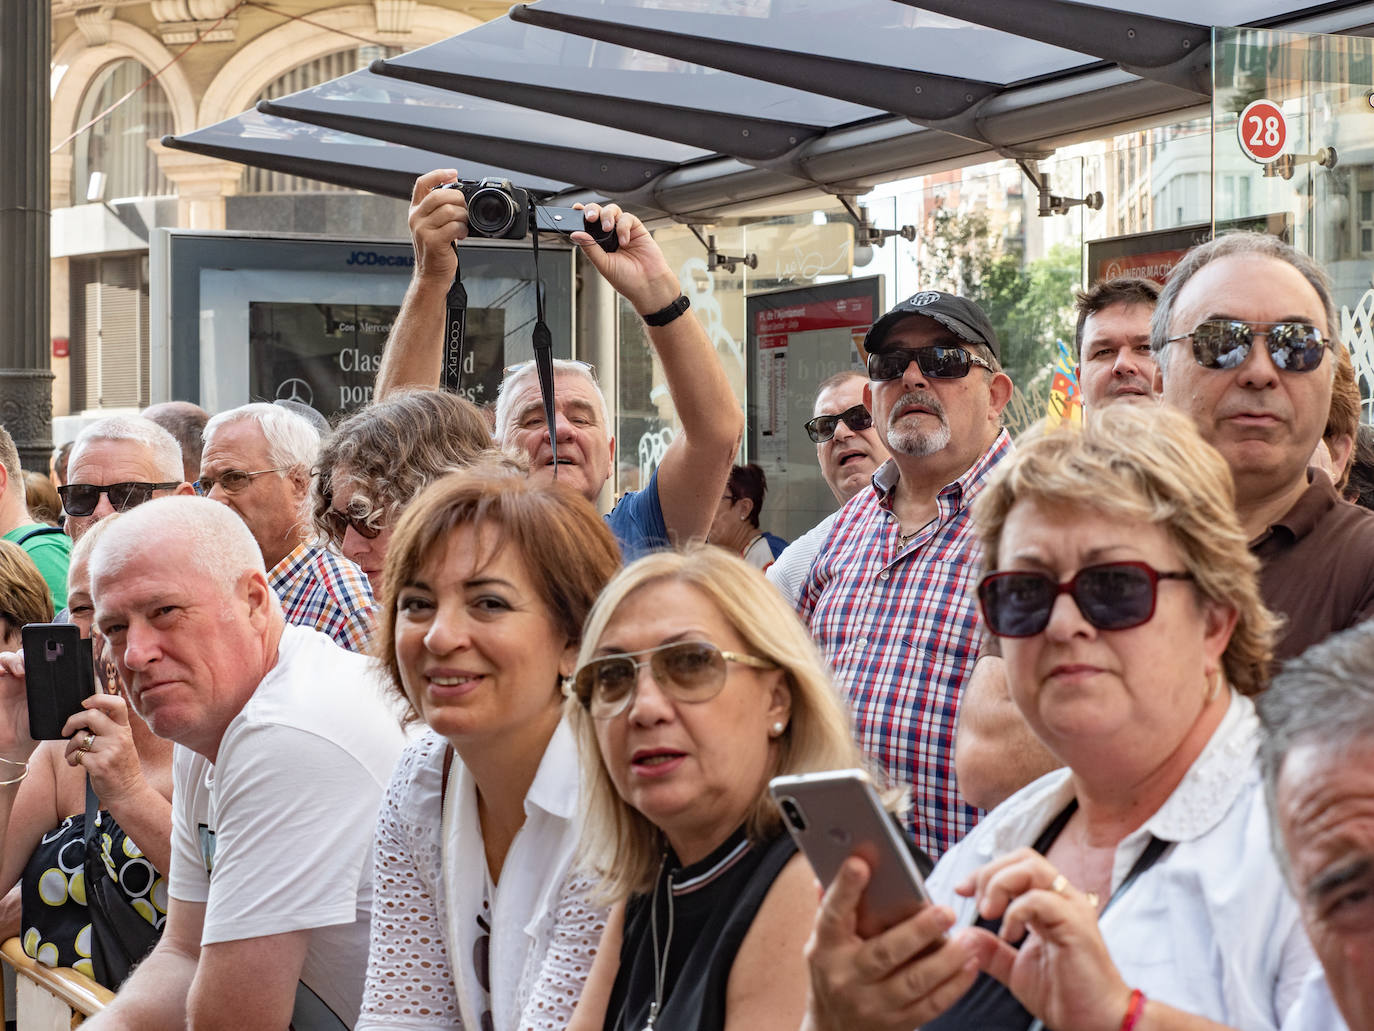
(837, 814)
(58, 674)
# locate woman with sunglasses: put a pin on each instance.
(479, 919)
(697, 684)
(379, 458)
(1134, 888)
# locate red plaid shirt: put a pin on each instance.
(900, 627)
(322, 590)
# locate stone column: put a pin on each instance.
(25, 375)
(202, 185)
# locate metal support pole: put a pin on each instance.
(25, 367)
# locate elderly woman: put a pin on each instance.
(1137, 881)
(378, 459)
(696, 685)
(479, 920)
(45, 795)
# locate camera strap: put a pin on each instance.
(455, 338)
(542, 340)
(455, 327)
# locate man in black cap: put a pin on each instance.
(890, 597)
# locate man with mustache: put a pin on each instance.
(890, 597)
(1112, 339)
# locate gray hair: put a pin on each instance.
(291, 440)
(1225, 246)
(506, 392)
(162, 448)
(1324, 697)
(214, 541)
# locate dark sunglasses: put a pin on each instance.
(941, 361)
(1225, 344)
(822, 427)
(80, 499)
(688, 671)
(1111, 596)
(337, 523)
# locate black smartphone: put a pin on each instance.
(59, 674)
(837, 814)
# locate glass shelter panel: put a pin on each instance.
(1293, 143)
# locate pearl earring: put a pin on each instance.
(778, 728)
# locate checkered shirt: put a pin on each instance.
(319, 589)
(900, 627)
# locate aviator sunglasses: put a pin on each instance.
(81, 499)
(1225, 344)
(688, 671)
(1111, 596)
(822, 427)
(942, 361)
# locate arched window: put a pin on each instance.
(322, 69)
(117, 145)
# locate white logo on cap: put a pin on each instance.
(925, 297)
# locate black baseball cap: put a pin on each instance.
(959, 315)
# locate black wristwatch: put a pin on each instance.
(666, 315)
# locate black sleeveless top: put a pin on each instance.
(711, 905)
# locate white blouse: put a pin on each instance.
(1210, 928)
(429, 879)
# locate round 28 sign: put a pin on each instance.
(1262, 130)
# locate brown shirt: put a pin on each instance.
(1317, 567)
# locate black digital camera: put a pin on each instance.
(496, 209)
(499, 211)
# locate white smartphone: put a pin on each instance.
(837, 814)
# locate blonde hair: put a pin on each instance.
(1147, 464)
(618, 842)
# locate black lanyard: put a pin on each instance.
(455, 333)
(1152, 854)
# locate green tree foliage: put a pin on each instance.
(1030, 304)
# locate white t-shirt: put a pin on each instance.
(788, 574)
(286, 815)
(1315, 1010)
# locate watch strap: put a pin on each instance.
(666, 315)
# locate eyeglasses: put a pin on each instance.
(822, 427)
(938, 362)
(232, 480)
(1225, 344)
(337, 524)
(689, 671)
(1111, 596)
(81, 499)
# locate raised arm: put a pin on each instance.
(414, 353)
(995, 751)
(692, 475)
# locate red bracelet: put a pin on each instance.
(1134, 1009)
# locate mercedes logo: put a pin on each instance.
(295, 390)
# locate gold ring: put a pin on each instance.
(1059, 885)
(86, 745)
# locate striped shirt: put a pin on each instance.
(900, 627)
(319, 589)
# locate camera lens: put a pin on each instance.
(491, 212)
(791, 812)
